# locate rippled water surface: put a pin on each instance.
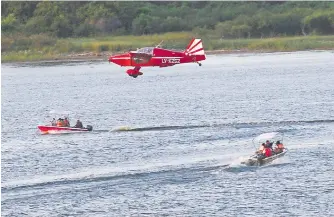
(170, 143)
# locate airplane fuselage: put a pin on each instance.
(159, 57)
(155, 56)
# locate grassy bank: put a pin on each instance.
(42, 47)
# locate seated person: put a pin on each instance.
(66, 122)
(269, 144)
(279, 147)
(267, 152)
(60, 122)
(262, 147)
(78, 124)
(53, 122)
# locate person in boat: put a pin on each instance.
(66, 122)
(269, 144)
(267, 152)
(260, 150)
(78, 124)
(53, 122)
(279, 147)
(60, 122)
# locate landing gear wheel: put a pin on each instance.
(200, 64)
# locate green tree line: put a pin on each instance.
(224, 19)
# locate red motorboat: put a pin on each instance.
(55, 129)
(63, 125)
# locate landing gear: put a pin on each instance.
(134, 72)
(200, 64)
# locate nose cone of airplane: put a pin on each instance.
(122, 60)
(115, 59)
(111, 59)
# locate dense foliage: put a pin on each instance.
(224, 19)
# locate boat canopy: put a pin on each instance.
(63, 113)
(269, 136)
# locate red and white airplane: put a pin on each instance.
(156, 56)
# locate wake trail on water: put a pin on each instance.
(235, 125)
(134, 170)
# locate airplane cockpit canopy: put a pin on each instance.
(143, 55)
(146, 50)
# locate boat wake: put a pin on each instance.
(234, 125)
(117, 172)
(237, 166)
(158, 128)
(122, 128)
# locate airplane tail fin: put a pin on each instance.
(195, 47)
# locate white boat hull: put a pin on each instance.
(256, 160)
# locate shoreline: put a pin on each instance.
(103, 56)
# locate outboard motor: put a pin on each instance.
(89, 127)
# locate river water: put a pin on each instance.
(187, 128)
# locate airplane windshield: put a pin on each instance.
(146, 50)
